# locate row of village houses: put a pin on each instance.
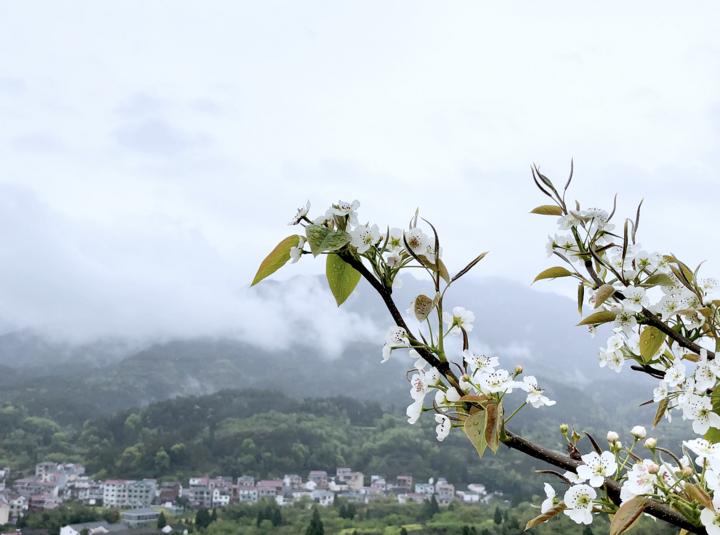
(55, 483)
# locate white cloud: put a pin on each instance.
(172, 141)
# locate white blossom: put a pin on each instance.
(342, 209)
(660, 392)
(705, 375)
(460, 317)
(597, 467)
(535, 396)
(625, 322)
(414, 411)
(396, 337)
(710, 518)
(443, 426)
(635, 299)
(479, 363)
(446, 397)
(699, 410)
(417, 240)
(579, 502)
(640, 480)
(572, 477)
(638, 432)
(705, 451)
(495, 382)
(614, 360)
(418, 386)
(395, 240)
(364, 236)
(301, 213)
(549, 501)
(675, 374)
(297, 250)
(647, 261)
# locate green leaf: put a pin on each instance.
(603, 293)
(580, 297)
(596, 318)
(342, 278)
(651, 340)
(547, 209)
(627, 515)
(659, 279)
(553, 273)
(322, 239)
(277, 258)
(474, 428)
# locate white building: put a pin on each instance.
(468, 497)
(323, 497)
(92, 528)
(247, 494)
(129, 493)
(427, 489)
(4, 511)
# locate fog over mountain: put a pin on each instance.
(523, 325)
(308, 348)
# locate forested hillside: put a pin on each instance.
(268, 434)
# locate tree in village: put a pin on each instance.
(161, 521)
(316, 525)
(202, 518)
(664, 320)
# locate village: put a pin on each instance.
(142, 500)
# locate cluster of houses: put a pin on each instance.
(54, 483)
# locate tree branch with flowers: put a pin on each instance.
(663, 320)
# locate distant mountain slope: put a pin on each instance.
(517, 323)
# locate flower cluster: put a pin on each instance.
(482, 380)
(663, 320)
(635, 291)
(661, 476)
(339, 228)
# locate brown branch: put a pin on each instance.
(442, 366)
(511, 440)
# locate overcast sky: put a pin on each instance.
(152, 152)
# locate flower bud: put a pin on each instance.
(638, 432)
(653, 468)
(564, 429)
(686, 471)
(651, 443)
(518, 369)
(612, 436)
